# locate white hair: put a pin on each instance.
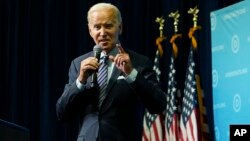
(105, 6)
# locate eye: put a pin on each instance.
(108, 26)
(97, 27)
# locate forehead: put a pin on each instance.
(102, 16)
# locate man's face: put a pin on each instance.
(104, 29)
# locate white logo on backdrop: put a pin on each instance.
(236, 103)
(218, 48)
(215, 78)
(220, 105)
(217, 133)
(238, 72)
(213, 21)
(235, 43)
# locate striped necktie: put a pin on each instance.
(102, 79)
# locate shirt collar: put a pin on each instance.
(113, 52)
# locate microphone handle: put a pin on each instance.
(94, 74)
(94, 79)
(97, 53)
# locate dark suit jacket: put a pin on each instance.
(120, 115)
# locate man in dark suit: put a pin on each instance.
(131, 83)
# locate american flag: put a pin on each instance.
(153, 125)
(171, 117)
(189, 116)
(156, 67)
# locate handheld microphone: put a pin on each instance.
(97, 53)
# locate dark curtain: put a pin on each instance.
(39, 38)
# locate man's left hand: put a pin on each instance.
(122, 61)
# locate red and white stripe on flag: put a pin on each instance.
(189, 132)
(172, 134)
(152, 127)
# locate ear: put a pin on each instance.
(120, 28)
(90, 33)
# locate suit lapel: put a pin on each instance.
(113, 78)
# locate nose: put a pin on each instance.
(103, 31)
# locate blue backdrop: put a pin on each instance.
(230, 67)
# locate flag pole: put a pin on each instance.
(175, 15)
(161, 21)
(194, 11)
(202, 110)
(172, 115)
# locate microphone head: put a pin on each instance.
(97, 49)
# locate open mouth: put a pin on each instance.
(103, 42)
